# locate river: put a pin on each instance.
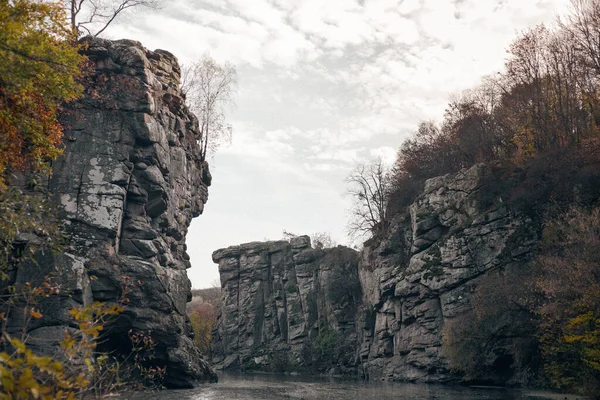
(277, 387)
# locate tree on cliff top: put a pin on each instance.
(39, 68)
(92, 17)
(208, 87)
(369, 189)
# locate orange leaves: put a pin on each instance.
(39, 69)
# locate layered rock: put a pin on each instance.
(414, 279)
(280, 299)
(423, 273)
(129, 183)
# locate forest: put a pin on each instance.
(536, 123)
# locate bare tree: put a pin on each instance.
(369, 189)
(92, 17)
(322, 240)
(208, 87)
(583, 24)
(319, 240)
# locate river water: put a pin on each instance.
(272, 387)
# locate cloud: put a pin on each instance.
(385, 153)
(324, 85)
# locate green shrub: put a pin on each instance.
(291, 289)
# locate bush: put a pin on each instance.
(203, 318)
(495, 337)
(568, 282)
(325, 350)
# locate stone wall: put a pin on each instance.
(129, 183)
(280, 297)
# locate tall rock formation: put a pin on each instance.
(414, 279)
(129, 184)
(287, 307)
(422, 274)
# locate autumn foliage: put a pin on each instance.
(39, 69)
(547, 100)
(537, 125)
(569, 306)
(202, 311)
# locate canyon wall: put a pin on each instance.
(413, 280)
(129, 183)
(421, 275)
(287, 307)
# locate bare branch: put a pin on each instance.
(208, 88)
(369, 189)
(95, 16)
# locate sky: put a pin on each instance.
(323, 85)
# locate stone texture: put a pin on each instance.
(279, 296)
(129, 184)
(424, 271)
(413, 279)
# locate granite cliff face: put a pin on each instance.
(285, 306)
(423, 273)
(413, 280)
(129, 184)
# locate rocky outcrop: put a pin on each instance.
(129, 183)
(414, 279)
(422, 274)
(287, 307)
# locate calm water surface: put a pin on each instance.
(272, 387)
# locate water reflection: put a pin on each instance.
(271, 387)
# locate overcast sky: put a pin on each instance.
(323, 85)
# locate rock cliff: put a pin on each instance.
(422, 273)
(128, 184)
(413, 280)
(287, 307)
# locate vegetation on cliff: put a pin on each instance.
(39, 71)
(202, 311)
(209, 87)
(536, 124)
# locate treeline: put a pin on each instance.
(546, 101)
(536, 124)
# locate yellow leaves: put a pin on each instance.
(89, 364)
(26, 380)
(68, 342)
(570, 315)
(24, 374)
(7, 379)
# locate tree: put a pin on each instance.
(369, 189)
(568, 279)
(319, 240)
(322, 240)
(429, 153)
(208, 87)
(583, 25)
(85, 15)
(39, 71)
(496, 334)
(202, 311)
